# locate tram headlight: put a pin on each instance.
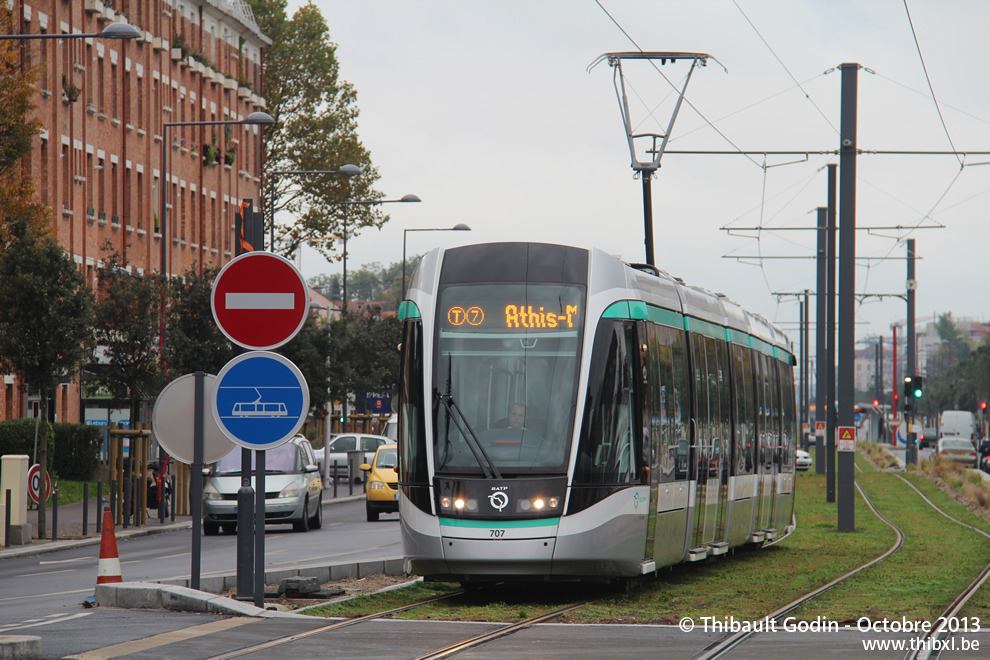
(536, 504)
(460, 503)
(445, 502)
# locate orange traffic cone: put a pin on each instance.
(109, 566)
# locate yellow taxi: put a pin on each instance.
(383, 482)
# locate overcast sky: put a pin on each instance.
(486, 110)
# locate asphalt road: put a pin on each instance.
(47, 587)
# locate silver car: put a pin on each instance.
(293, 489)
(336, 451)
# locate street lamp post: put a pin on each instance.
(367, 202)
(344, 170)
(405, 199)
(112, 31)
(254, 118)
(251, 119)
(458, 227)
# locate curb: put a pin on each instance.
(14, 647)
(38, 547)
(178, 596)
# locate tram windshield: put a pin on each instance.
(506, 366)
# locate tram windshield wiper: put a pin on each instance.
(486, 463)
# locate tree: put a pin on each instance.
(308, 350)
(128, 314)
(193, 340)
(316, 129)
(17, 86)
(46, 318)
(364, 354)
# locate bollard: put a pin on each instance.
(55, 513)
(171, 511)
(85, 509)
(6, 520)
(113, 500)
(334, 478)
(127, 502)
(99, 505)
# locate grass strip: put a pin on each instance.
(746, 585)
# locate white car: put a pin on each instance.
(337, 451)
(802, 460)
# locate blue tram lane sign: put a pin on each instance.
(261, 400)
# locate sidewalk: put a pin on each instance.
(71, 534)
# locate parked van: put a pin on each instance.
(960, 423)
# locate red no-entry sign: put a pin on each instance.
(260, 300)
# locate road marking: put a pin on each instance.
(63, 561)
(55, 593)
(67, 570)
(18, 626)
(156, 641)
(181, 554)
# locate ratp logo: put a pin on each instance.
(637, 499)
(498, 500)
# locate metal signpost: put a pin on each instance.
(261, 400)
(191, 438)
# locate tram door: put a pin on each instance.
(769, 433)
(713, 414)
(666, 413)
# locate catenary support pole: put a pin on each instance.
(847, 294)
(821, 358)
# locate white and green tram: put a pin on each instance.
(565, 415)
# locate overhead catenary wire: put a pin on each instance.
(781, 62)
(924, 68)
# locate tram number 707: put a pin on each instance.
(497, 533)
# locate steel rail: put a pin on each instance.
(722, 647)
(942, 632)
(333, 626)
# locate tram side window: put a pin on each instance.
(745, 410)
(412, 429)
(678, 404)
(653, 398)
(763, 407)
(609, 448)
(789, 416)
(725, 409)
(776, 438)
(702, 413)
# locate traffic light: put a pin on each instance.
(983, 406)
(913, 387)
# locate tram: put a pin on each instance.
(568, 416)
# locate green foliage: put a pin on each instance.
(77, 451)
(18, 85)
(316, 129)
(128, 327)
(364, 355)
(17, 436)
(194, 342)
(308, 350)
(370, 283)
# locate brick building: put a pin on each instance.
(103, 105)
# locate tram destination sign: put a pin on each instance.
(260, 300)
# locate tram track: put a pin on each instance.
(723, 646)
(939, 634)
